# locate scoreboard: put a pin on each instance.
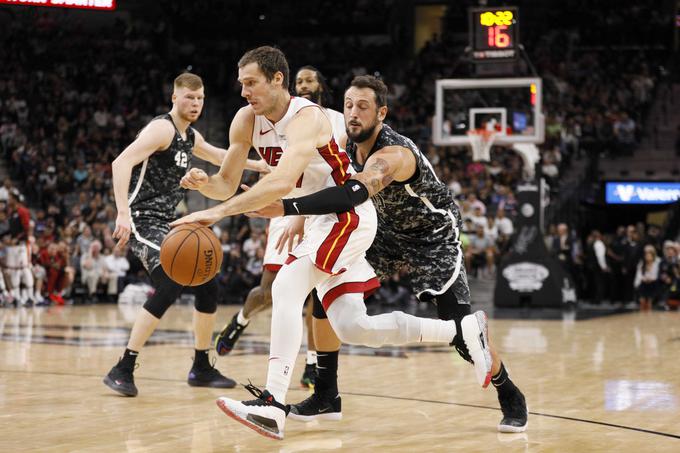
(494, 34)
(106, 5)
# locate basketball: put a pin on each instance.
(191, 254)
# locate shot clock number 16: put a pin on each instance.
(494, 33)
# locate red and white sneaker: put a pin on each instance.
(476, 338)
(264, 414)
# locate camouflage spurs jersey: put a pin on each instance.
(418, 226)
(155, 193)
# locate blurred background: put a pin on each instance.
(77, 84)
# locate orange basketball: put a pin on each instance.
(191, 254)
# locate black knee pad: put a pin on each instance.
(448, 307)
(207, 296)
(318, 312)
(167, 292)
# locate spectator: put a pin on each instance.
(93, 269)
(624, 134)
(504, 224)
(647, 278)
(116, 266)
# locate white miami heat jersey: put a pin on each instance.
(337, 122)
(330, 166)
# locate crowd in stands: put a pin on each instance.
(65, 113)
(632, 265)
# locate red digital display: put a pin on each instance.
(106, 5)
(494, 33)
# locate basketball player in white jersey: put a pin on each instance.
(309, 84)
(331, 256)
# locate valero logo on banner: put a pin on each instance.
(642, 192)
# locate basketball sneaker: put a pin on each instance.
(227, 338)
(475, 336)
(121, 380)
(264, 414)
(317, 407)
(209, 377)
(309, 376)
(515, 414)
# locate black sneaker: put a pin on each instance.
(121, 380)
(515, 414)
(209, 377)
(309, 376)
(317, 407)
(225, 340)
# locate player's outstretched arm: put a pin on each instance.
(224, 183)
(214, 155)
(384, 166)
(303, 134)
(155, 136)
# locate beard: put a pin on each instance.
(314, 96)
(363, 134)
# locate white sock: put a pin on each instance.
(311, 357)
(242, 319)
(437, 331)
(278, 377)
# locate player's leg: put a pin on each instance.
(267, 413)
(203, 373)
(309, 375)
(166, 292)
(510, 397)
(257, 300)
(325, 403)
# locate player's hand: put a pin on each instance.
(295, 229)
(260, 166)
(194, 179)
(123, 229)
(206, 218)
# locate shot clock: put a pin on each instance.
(494, 33)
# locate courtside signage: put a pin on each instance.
(107, 5)
(642, 192)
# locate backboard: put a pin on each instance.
(512, 107)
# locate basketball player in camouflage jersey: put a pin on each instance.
(146, 183)
(418, 228)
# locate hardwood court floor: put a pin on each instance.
(607, 384)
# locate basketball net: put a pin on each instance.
(481, 141)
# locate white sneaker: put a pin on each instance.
(264, 415)
(476, 339)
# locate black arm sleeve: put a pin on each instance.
(328, 201)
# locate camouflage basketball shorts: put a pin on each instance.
(433, 264)
(146, 239)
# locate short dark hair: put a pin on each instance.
(188, 80)
(326, 93)
(378, 86)
(270, 61)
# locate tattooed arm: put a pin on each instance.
(392, 163)
(386, 165)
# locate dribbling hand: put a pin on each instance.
(206, 217)
(194, 179)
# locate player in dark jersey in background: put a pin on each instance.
(146, 202)
(418, 228)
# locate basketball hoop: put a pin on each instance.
(481, 141)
